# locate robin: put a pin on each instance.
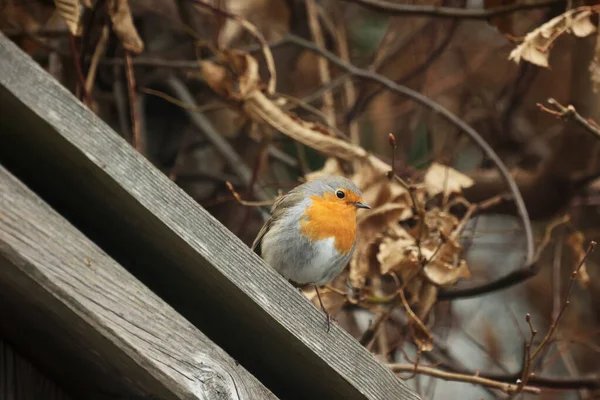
(311, 234)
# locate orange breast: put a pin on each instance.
(327, 218)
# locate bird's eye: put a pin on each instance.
(340, 194)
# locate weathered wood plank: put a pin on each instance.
(110, 192)
(108, 334)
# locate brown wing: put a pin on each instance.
(279, 208)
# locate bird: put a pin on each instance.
(311, 234)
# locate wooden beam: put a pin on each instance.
(91, 323)
(112, 194)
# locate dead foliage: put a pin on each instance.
(536, 46)
(119, 13)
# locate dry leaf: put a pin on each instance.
(576, 241)
(383, 191)
(422, 337)
(440, 178)
(399, 256)
(370, 226)
(362, 261)
(536, 44)
(366, 176)
(581, 25)
(444, 274)
(427, 298)
(120, 15)
(438, 221)
(70, 13)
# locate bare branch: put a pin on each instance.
(570, 113)
(457, 377)
(451, 12)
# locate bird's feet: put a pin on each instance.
(329, 318)
(327, 315)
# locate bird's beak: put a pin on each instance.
(360, 204)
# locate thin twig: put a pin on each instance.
(548, 233)
(457, 377)
(451, 12)
(254, 32)
(121, 104)
(235, 162)
(530, 357)
(100, 46)
(417, 209)
(452, 118)
(566, 301)
(243, 202)
(335, 82)
(349, 89)
(414, 316)
(78, 70)
(181, 104)
(323, 68)
(135, 123)
(527, 360)
(363, 102)
(590, 381)
(302, 104)
(570, 112)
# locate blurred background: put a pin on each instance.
(139, 66)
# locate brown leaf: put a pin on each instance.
(537, 43)
(582, 25)
(422, 337)
(444, 274)
(366, 176)
(576, 241)
(69, 11)
(428, 298)
(217, 78)
(383, 191)
(399, 256)
(440, 178)
(120, 15)
(363, 260)
(377, 219)
(439, 222)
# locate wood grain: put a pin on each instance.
(119, 337)
(135, 213)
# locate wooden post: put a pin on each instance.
(88, 173)
(91, 323)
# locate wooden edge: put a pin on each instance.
(176, 247)
(104, 317)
